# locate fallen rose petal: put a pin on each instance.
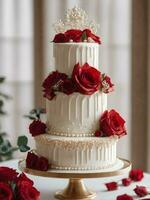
(111, 186)
(136, 174)
(126, 181)
(124, 197)
(141, 191)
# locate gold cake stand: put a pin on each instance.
(76, 189)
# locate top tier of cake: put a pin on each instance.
(68, 54)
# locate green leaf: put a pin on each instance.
(22, 140)
(33, 111)
(2, 79)
(24, 148)
(84, 36)
(30, 117)
(1, 139)
(5, 147)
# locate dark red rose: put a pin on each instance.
(37, 127)
(27, 192)
(8, 174)
(53, 83)
(23, 177)
(31, 160)
(111, 186)
(89, 35)
(42, 164)
(74, 35)
(141, 191)
(86, 78)
(136, 174)
(111, 123)
(98, 133)
(68, 87)
(107, 85)
(61, 38)
(126, 181)
(124, 197)
(6, 192)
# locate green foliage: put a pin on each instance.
(22, 143)
(35, 114)
(6, 148)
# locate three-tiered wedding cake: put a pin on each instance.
(81, 133)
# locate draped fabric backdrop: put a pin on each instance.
(26, 58)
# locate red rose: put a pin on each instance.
(111, 123)
(53, 83)
(98, 133)
(89, 35)
(107, 85)
(124, 197)
(35, 162)
(60, 38)
(68, 87)
(42, 164)
(31, 160)
(86, 78)
(141, 191)
(6, 192)
(136, 174)
(23, 177)
(126, 181)
(27, 192)
(74, 35)
(111, 186)
(37, 127)
(8, 174)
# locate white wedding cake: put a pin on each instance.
(81, 134)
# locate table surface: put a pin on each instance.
(48, 186)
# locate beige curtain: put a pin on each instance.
(141, 84)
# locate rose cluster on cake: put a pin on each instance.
(84, 79)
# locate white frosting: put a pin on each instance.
(77, 153)
(68, 54)
(75, 114)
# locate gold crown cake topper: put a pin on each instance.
(75, 18)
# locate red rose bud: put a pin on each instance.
(73, 35)
(126, 181)
(27, 192)
(90, 35)
(141, 191)
(60, 38)
(53, 83)
(6, 192)
(107, 85)
(111, 186)
(111, 123)
(37, 127)
(87, 79)
(42, 164)
(7, 174)
(98, 133)
(31, 160)
(124, 197)
(68, 87)
(136, 174)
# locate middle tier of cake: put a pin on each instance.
(75, 115)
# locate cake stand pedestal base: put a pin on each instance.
(75, 190)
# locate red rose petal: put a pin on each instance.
(124, 197)
(111, 186)
(136, 174)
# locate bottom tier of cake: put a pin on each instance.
(85, 153)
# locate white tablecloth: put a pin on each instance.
(48, 186)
